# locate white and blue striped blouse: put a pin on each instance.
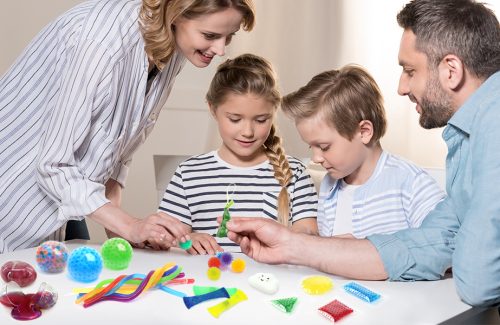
(197, 193)
(397, 196)
(73, 109)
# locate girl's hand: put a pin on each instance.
(203, 244)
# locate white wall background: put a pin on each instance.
(300, 37)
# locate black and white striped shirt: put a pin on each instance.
(73, 109)
(197, 193)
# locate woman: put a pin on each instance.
(80, 100)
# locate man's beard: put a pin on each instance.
(435, 105)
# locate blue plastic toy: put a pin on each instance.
(85, 264)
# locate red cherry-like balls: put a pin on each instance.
(20, 272)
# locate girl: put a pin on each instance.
(250, 167)
(80, 100)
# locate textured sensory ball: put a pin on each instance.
(20, 272)
(213, 262)
(213, 273)
(238, 265)
(226, 258)
(84, 264)
(52, 256)
(116, 253)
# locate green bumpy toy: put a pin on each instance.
(226, 216)
(116, 253)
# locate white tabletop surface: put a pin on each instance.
(424, 302)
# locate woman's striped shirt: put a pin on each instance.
(198, 193)
(73, 109)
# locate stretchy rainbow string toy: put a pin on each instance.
(112, 289)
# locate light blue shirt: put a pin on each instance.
(398, 195)
(464, 229)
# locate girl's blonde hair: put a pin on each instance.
(157, 17)
(344, 98)
(251, 74)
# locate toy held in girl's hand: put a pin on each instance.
(85, 264)
(28, 306)
(116, 253)
(19, 272)
(186, 245)
(52, 256)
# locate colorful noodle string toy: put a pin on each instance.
(128, 287)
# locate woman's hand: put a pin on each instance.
(160, 230)
(163, 231)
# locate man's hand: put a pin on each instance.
(262, 239)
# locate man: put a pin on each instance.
(450, 55)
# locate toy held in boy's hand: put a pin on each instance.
(19, 272)
(28, 306)
(52, 256)
(85, 264)
(116, 253)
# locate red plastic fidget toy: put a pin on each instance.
(335, 310)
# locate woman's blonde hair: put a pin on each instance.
(251, 74)
(157, 17)
(344, 98)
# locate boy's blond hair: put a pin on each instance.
(157, 17)
(251, 74)
(343, 98)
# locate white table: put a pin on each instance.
(425, 302)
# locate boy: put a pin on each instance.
(367, 190)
